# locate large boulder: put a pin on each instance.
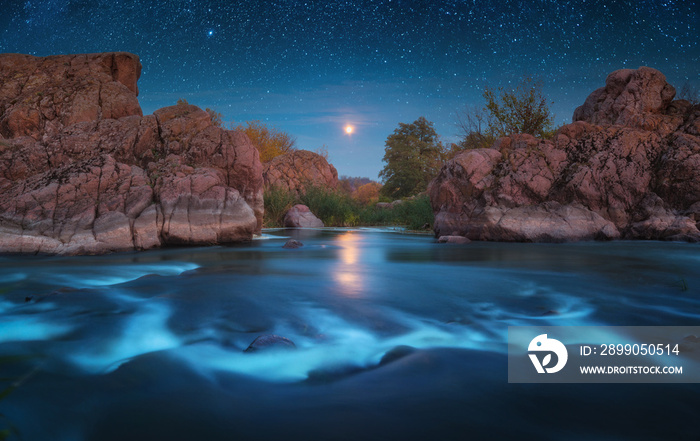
(300, 216)
(296, 170)
(627, 167)
(632, 98)
(100, 181)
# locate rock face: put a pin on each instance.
(300, 216)
(41, 96)
(295, 170)
(627, 167)
(83, 172)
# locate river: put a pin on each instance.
(149, 345)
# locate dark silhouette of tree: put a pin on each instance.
(520, 110)
(475, 126)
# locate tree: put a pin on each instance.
(350, 184)
(413, 156)
(269, 141)
(368, 194)
(522, 110)
(476, 126)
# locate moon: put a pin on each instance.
(349, 129)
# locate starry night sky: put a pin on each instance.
(310, 67)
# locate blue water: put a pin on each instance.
(147, 346)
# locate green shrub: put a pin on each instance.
(415, 212)
(338, 209)
(277, 202)
(332, 207)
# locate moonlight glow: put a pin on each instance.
(349, 129)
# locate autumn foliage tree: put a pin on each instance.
(413, 155)
(368, 193)
(270, 141)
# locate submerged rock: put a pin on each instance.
(270, 341)
(453, 239)
(627, 167)
(332, 374)
(291, 243)
(396, 353)
(83, 172)
(300, 216)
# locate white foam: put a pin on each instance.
(107, 275)
(264, 236)
(342, 344)
(29, 328)
(144, 332)
(13, 277)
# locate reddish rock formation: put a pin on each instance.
(295, 170)
(628, 167)
(42, 95)
(300, 216)
(91, 175)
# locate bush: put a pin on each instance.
(277, 202)
(332, 207)
(216, 117)
(270, 141)
(338, 209)
(415, 212)
(367, 194)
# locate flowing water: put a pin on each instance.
(149, 346)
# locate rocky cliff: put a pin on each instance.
(295, 170)
(627, 167)
(83, 172)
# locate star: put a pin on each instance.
(375, 63)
